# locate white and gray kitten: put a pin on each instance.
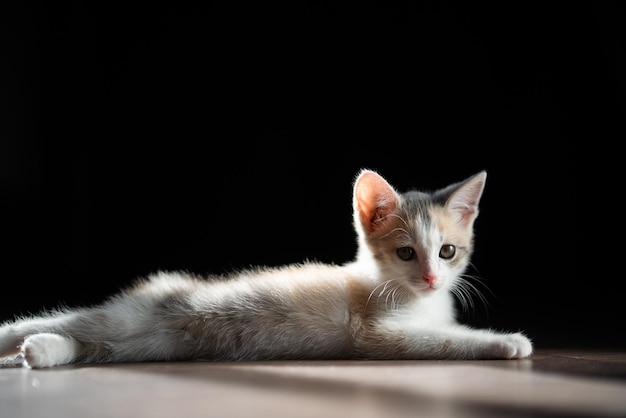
(394, 301)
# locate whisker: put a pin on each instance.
(395, 215)
(460, 296)
(468, 278)
(405, 232)
(393, 297)
(384, 285)
(466, 292)
(390, 294)
(477, 278)
(392, 290)
(401, 230)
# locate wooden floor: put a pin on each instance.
(553, 383)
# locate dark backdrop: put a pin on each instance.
(203, 137)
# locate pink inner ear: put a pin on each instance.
(374, 199)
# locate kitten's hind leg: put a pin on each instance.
(47, 350)
(38, 340)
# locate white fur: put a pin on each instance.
(47, 350)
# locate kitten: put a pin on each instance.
(394, 301)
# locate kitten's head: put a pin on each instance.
(419, 240)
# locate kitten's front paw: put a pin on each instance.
(513, 346)
(47, 350)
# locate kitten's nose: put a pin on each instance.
(429, 278)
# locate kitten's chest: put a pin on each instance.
(432, 310)
(366, 308)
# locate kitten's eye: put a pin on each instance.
(406, 253)
(447, 251)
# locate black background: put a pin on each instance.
(208, 136)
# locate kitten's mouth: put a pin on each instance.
(425, 288)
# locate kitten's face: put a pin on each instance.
(423, 247)
(420, 241)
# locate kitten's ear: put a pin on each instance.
(373, 200)
(463, 201)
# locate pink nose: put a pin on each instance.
(429, 278)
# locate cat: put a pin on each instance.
(394, 300)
